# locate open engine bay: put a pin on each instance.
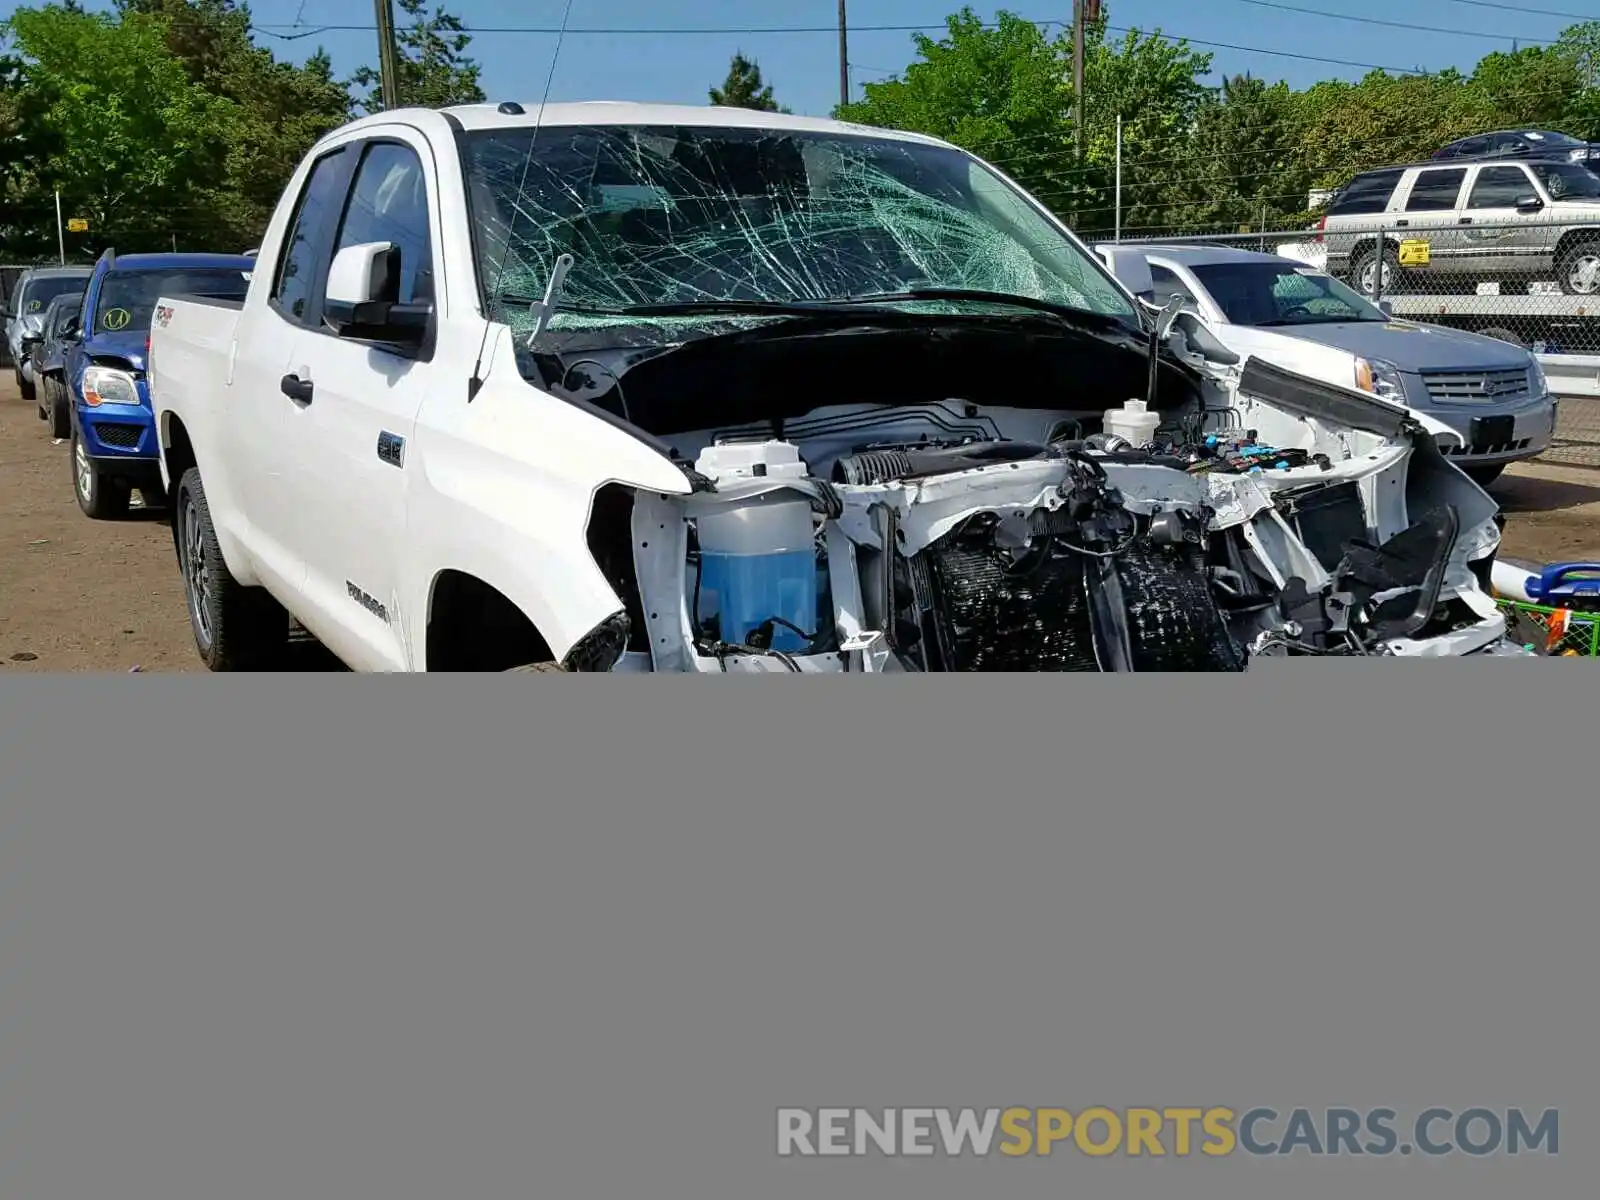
(1277, 516)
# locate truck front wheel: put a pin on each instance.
(236, 628)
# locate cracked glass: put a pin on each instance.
(689, 214)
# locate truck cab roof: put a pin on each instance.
(180, 262)
(516, 115)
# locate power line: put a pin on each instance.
(788, 30)
(1339, 16)
(1522, 9)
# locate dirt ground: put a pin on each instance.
(80, 595)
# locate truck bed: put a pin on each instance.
(191, 348)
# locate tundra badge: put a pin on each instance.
(371, 603)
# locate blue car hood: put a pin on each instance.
(1412, 346)
(128, 345)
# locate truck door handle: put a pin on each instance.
(297, 389)
(1402, 224)
(1466, 220)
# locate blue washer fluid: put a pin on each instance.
(759, 562)
(747, 590)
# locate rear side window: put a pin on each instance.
(1366, 194)
(314, 216)
(1436, 191)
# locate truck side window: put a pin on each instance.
(1500, 187)
(291, 292)
(389, 203)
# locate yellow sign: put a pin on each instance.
(78, 225)
(1414, 252)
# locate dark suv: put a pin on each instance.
(1467, 221)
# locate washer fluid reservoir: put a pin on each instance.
(758, 561)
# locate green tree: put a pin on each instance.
(280, 110)
(1580, 44)
(1242, 169)
(744, 88)
(1531, 87)
(132, 133)
(435, 70)
(1000, 92)
(1154, 82)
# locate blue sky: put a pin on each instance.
(803, 67)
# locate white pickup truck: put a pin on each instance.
(607, 387)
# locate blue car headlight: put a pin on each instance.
(108, 385)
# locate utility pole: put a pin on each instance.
(388, 55)
(1078, 7)
(844, 56)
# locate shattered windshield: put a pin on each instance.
(696, 215)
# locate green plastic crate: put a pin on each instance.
(1581, 635)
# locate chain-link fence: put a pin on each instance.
(1530, 278)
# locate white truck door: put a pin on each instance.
(355, 419)
(260, 431)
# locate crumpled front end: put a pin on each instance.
(1033, 556)
(1265, 514)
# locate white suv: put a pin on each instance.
(1485, 221)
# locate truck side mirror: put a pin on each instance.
(1529, 204)
(363, 297)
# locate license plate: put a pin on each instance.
(1493, 430)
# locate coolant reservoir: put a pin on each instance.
(1133, 421)
(758, 561)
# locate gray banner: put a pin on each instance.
(330, 938)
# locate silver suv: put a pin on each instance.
(1488, 221)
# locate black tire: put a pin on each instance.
(541, 668)
(1571, 258)
(100, 497)
(1363, 258)
(60, 413)
(29, 392)
(1484, 476)
(236, 628)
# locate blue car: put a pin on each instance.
(115, 450)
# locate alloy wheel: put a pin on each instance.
(83, 471)
(197, 572)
